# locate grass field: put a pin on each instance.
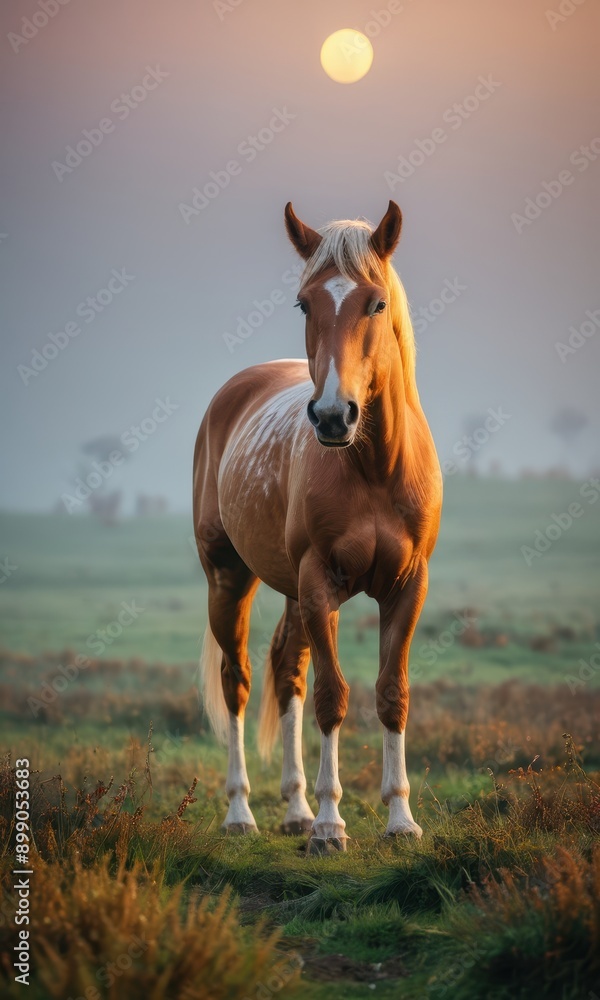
(73, 575)
(500, 899)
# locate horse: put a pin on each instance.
(320, 478)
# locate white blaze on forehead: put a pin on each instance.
(339, 287)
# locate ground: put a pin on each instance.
(497, 900)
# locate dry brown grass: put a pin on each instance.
(116, 857)
(107, 920)
(497, 726)
(32, 689)
(125, 935)
(539, 935)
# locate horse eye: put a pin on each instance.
(380, 306)
(300, 305)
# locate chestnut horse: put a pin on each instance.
(321, 479)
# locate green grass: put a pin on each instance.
(404, 916)
(484, 906)
(73, 575)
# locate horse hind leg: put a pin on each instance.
(231, 591)
(284, 693)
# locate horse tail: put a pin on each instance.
(211, 686)
(268, 718)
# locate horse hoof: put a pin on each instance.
(321, 848)
(239, 829)
(296, 827)
(413, 830)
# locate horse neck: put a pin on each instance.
(385, 448)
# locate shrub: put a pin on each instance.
(128, 936)
(538, 936)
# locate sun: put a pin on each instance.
(346, 55)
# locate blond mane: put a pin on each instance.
(346, 245)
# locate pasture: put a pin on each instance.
(501, 897)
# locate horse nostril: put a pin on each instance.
(312, 416)
(352, 413)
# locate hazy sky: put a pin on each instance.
(204, 78)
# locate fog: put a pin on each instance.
(149, 150)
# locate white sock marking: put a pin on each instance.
(293, 780)
(328, 791)
(237, 786)
(394, 786)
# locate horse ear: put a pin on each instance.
(385, 238)
(305, 239)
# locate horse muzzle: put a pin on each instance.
(335, 426)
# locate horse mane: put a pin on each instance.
(346, 245)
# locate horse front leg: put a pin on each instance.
(399, 614)
(319, 610)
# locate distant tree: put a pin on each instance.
(103, 447)
(106, 506)
(96, 467)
